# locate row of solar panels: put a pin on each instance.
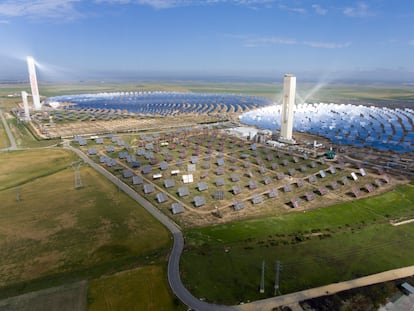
(382, 128)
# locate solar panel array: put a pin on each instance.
(382, 128)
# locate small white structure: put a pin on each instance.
(26, 107)
(188, 178)
(289, 92)
(33, 83)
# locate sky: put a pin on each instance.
(115, 39)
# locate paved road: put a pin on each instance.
(268, 304)
(9, 133)
(174, 277)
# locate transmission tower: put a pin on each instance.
(78, 180)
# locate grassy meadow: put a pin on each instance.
(51, 233)
(223, 263)
(141, 289)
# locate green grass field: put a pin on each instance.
(223, 262)
(51, 234)
(142, 289)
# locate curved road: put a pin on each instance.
(174, 277)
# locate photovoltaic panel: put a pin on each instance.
(292, 171)
(236, 189)
(161, 197)
(334, 185)
(183, 191)
(220, 161)
(267, 180)
(295, 202)
(356, 192)
(219, 195)
(273, 193)
(177, 208)
(202, 186)
(169, 183)
(235, 177)
(378, 182)
(219, 182)
(252, 185)
(354, 176)
(164, 165)
(280, 175)
(287, 188)
(309, 196)
(146, 169)
(127, 173)
(345, 180)
(220, 171)
(148, 188)
(322, 190)
(369, 187)
(199, 201)
(188, 178)
(137, 180)
(257, 199)
(238, 205)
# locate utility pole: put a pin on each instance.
(277, 268)
(17, 194)
(78, 180)
(262, 278)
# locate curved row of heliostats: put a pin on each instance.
(382, 128)
(364, 126)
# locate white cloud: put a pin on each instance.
(3, 21)
(39, 8)
(319, 10)
(411, 42)
(292, 9)
(361, 10)
(166, 4)
(327, 45)
(252, 41)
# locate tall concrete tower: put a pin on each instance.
(289, 91)
(33, 82)
(26, 106)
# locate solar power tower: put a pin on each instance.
(33, 83)
(25, 106)
(289, 92)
